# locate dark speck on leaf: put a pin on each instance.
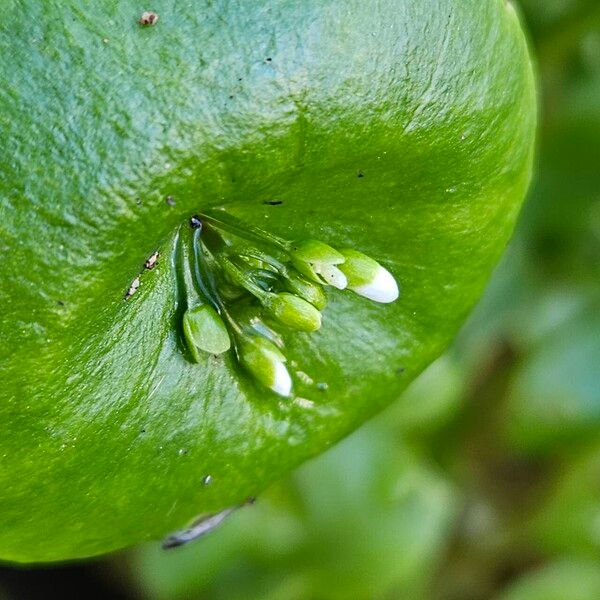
(60, 303)
(269, 59)
(400, 370)
(195, 222)
(231, 97)
(360, 174)
(273, 202)
(170, 201)
(138, 201)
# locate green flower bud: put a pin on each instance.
(318, 262)
(293, 311)
(368, 278)
(311, 292)
(265, 362)
(205, 331)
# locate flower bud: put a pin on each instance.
(368, 278)
(265, 362)
(293, 311)
(318, 262)
(309, 291)
(204, 330)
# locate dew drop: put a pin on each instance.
(207, 480)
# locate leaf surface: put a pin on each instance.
(403, 130)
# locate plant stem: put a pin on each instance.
(242, 279)
(244, 230)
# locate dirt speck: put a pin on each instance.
(360, 174)
(148, 18)
(151, 262)
(273, 202)
(133, 288)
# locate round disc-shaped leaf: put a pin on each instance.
(403, 130)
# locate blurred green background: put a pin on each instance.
(483, 480)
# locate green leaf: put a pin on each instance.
(566, 521)
(564, 579)
(554, 396)
(404, 132)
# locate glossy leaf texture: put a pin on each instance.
(403, 130)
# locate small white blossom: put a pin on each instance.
(265, 362)
(382, 288)
(282, 382)
(319, 262)
(368, 278)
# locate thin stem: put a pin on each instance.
(281, 268)
(201, 276)
(242, 279)
(260, 255)
(212, 261)
(220, 219)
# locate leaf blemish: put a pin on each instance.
(133, 288)
(152, 260)
(148, 18)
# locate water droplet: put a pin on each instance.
(182, 451)
(207, 480)
(322, 386)
(451, 190)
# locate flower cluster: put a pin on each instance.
(241, 283)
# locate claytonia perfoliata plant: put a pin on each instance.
(242, 283)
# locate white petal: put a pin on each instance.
(382, 288)
(333, 276)
(282, 383)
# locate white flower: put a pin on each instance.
(265, 362)
(368, 278)
(282, 382)
(319, 262)
(382, 288)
